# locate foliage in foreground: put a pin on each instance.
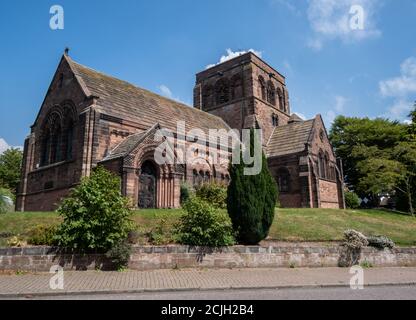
(10, 168)
(42, 235)
(379, 157)
(204, 225)
(213, 193)
(6, 200)
(96, 215)
(251, 201)
(352, 201)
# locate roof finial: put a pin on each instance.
(67, 51)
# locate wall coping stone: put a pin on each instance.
(176, 249)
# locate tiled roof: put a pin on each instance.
(124, 100)
(127, 145)
(290, 138)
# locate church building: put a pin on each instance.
(88, 118)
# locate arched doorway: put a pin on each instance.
(147, 186)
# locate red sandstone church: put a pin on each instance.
(89, 119)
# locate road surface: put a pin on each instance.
(337, 293)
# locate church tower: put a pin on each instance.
(246, 92)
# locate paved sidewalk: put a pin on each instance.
(91, 282)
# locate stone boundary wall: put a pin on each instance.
(39, 259)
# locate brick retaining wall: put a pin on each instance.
(169, 257)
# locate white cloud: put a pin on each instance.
(402, 85)
(166, 92)
(402, 89)
(233, 54)
(338, 108)
(331, 19)
(3, 145)
(407, 122)
(288, 67)
(315, 44)
(288, 4)
(399, 110)
(340, 102)
(330, 116)
(300, 115)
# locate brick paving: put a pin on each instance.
(170, 280)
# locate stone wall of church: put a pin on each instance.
(264, 114)
(110, 131)
(42, 187)
(328, 194)
(330, 186)
(293, 197)
(246, 102)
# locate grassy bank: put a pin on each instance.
(289, 225)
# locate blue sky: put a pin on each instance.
(161, 44)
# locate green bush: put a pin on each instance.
(96, 215)
(6, 200)
(119, 254)
(160, 234)
(42, 236)
(186, 192)
(204, 225)
(352, 201)
(251, 202)
(213, 193)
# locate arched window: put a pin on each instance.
(207, 177)
(195, 178)
(56, 143)
(51, 140)
(45, 147)
(280, 96)
(326, 164)
(227, 179)
(262, 84)
(67, 136)
(201, 177)
(222, 91)
(284, 108)
(271, 93)
(283, 180)
(236, 87)
(321, 164)
(275, 120)
(207, 93)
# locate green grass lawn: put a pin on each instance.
(289, 225)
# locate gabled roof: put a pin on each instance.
(129, 144)
(289, 139)
(124, 100)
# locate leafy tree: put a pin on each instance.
(389, 170)
(10, 168)
(405, 153)
(96, 215)
(412, 126)
(251, 201)
(356, 139)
